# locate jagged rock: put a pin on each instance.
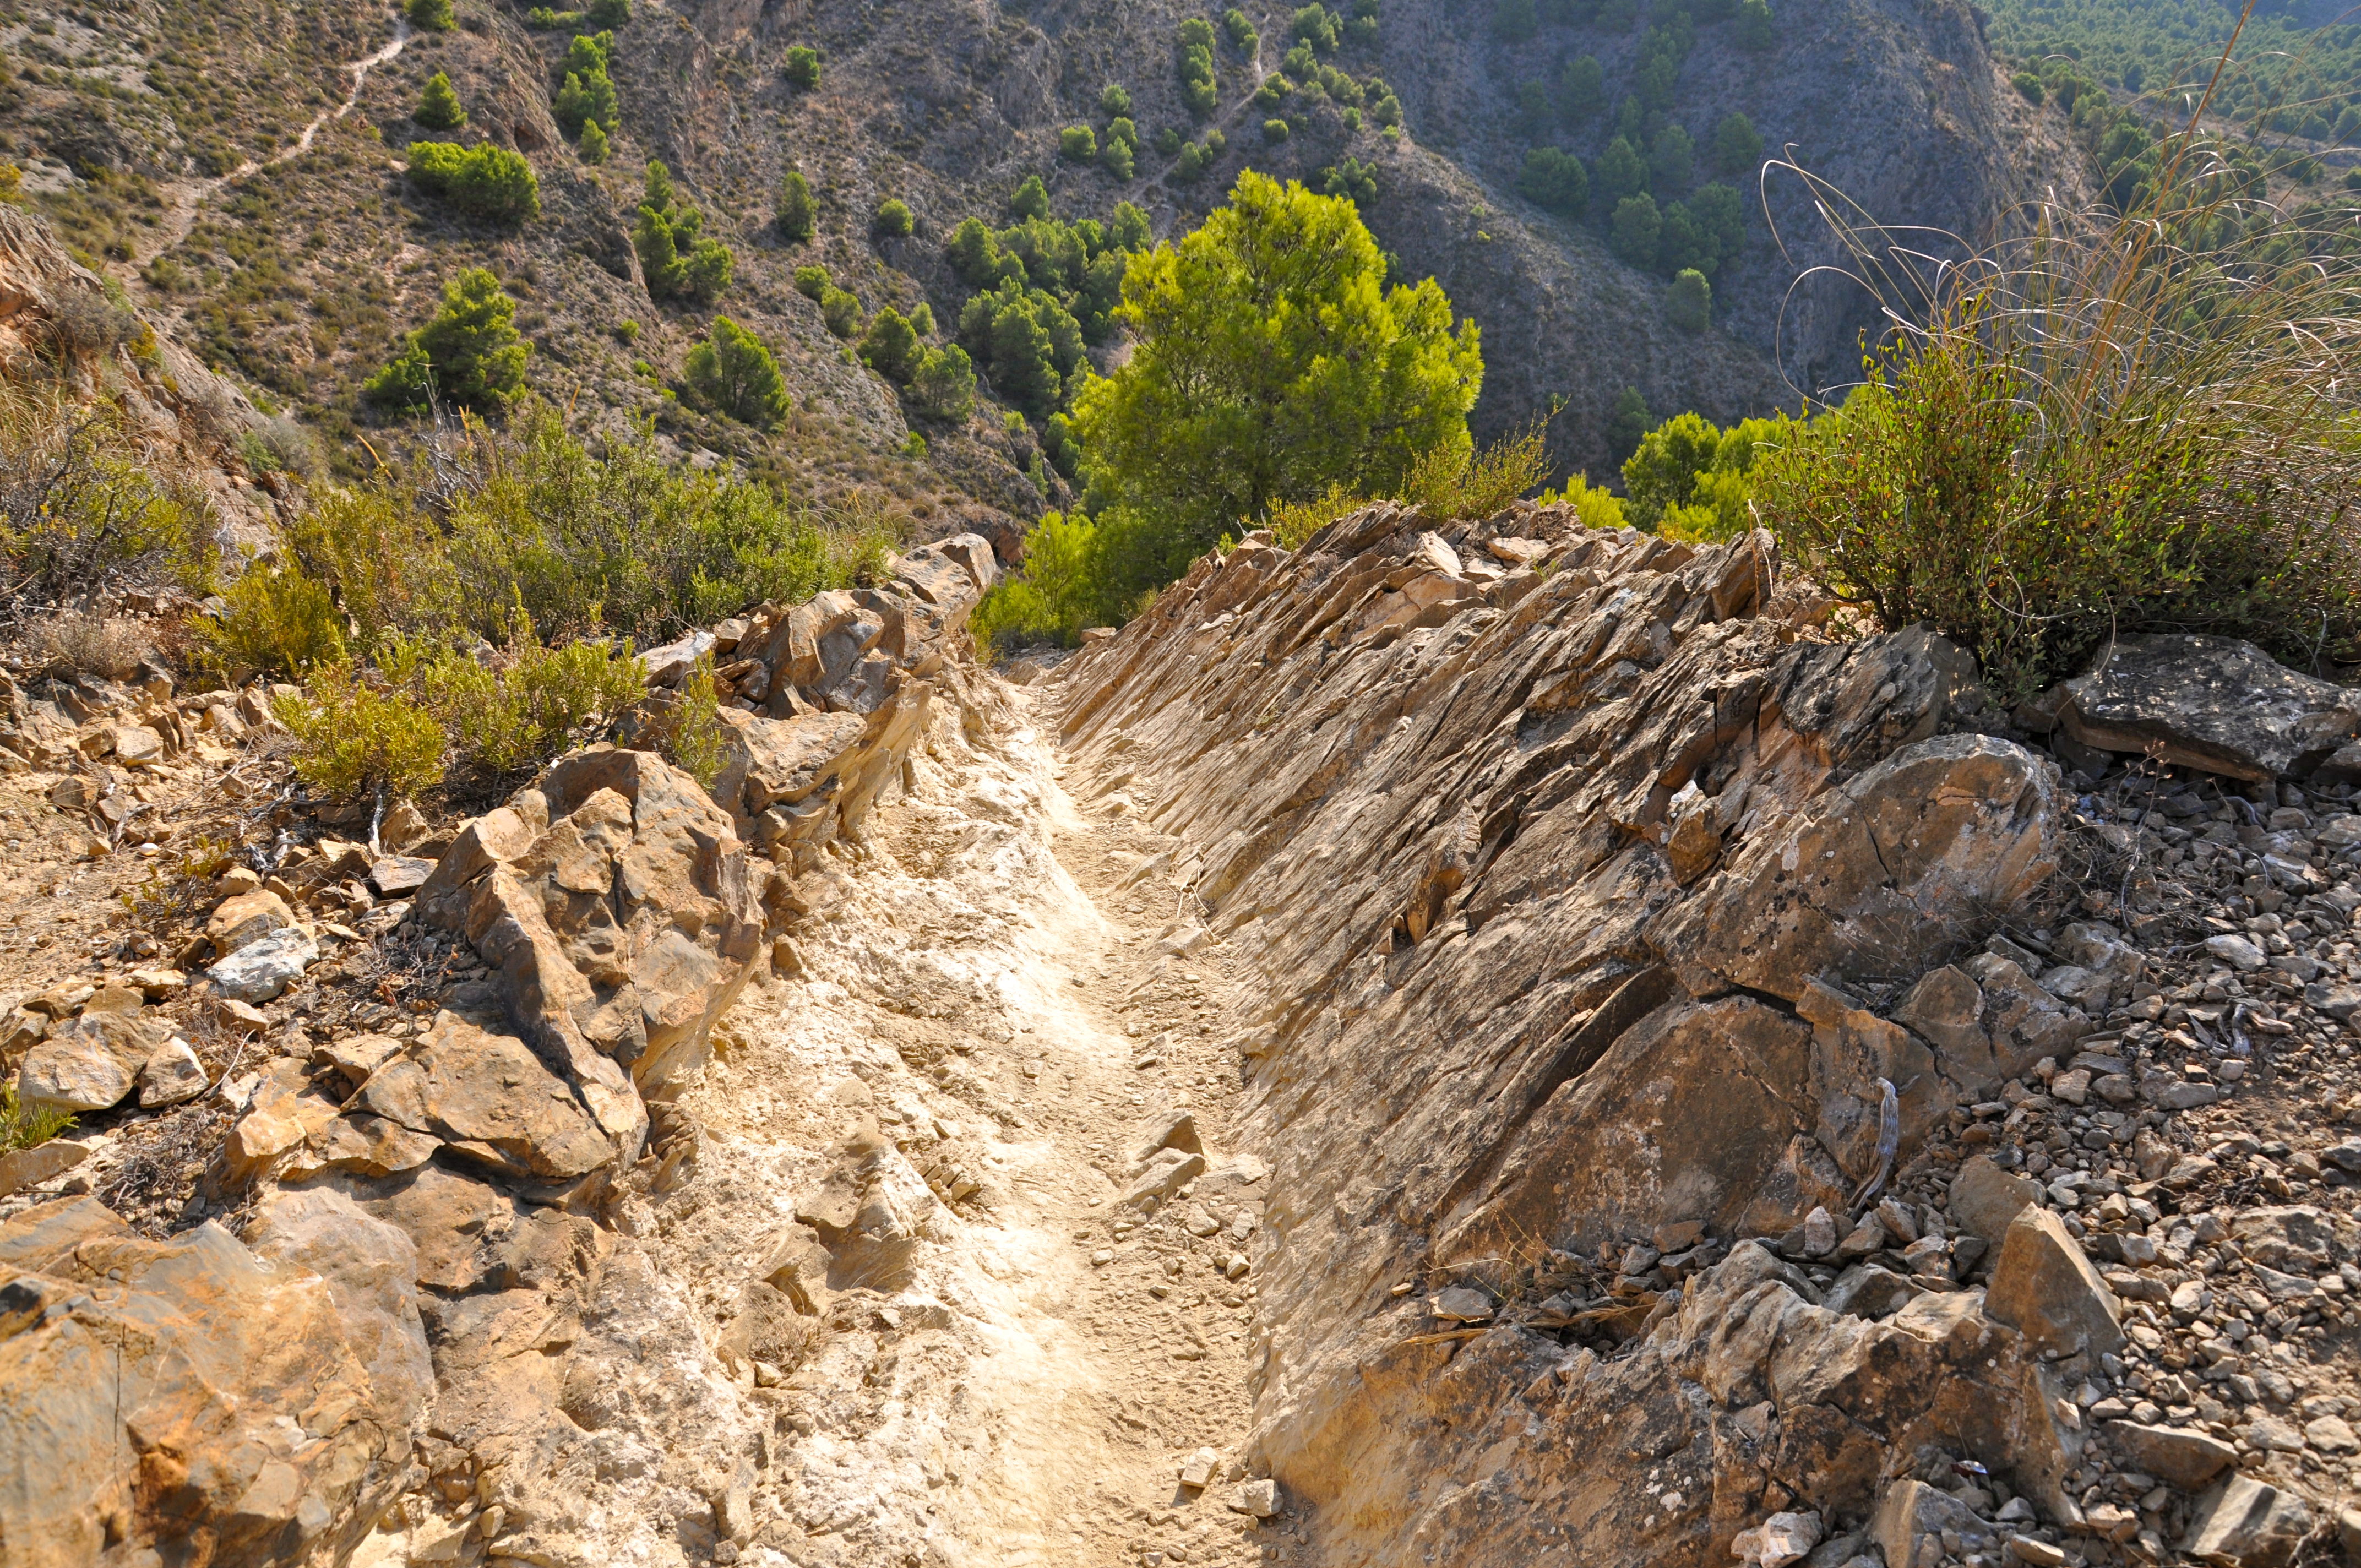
(1911, 1511)
(1781, 1538)
(88, 1063)
(2043, 1285)
(264, 968)
(247, 918)
(20, 1169)
(492, 1099)
(2213, 704)
(170, 1074)
(202, 1396)
(2174, 1455)
(2246, 1522)
(616, 902)
(1985, 1198)
(1545, 1003)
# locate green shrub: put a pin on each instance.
(24, 1127)
(592, 145)
(733, 371)
(1242, 34)
(532, 703)
(944, 386)
(1754, 30)
(1063, 591)
(587, 99)
(2123, 424)
(1078, 144)
(483, 180)
(431, 15)
(438, 106)
(803, 67)
(609, 12)
(351, 738)
(796, 217)
(696, 743)
(1117, 157)
(891, 348)
(86, 498)
(470, 353)
(1554, 180)
(1274, 130)
(1581, 90)
(2027, 83)
(1619, 175)
(275, 620)
(1595, 505)
(1627, 422)
(541, 18)
(1128, 230)
(893, 220)
(1688, 302)
(1113, 101)
(840, 311)
(812, 282)
(1315, 26)
(1638, 226)
(675, 257)
(1447, 482)
(1198, 91)
(1736, 146)
(1672, 160)
(1030, 200)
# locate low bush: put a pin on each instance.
(470, 353)
(1448, 483)
(1113, 101)
(592, 144)
(510, 714)
(891, 346)
(695, 743)
(803, 67)
(1688, 300)
(104, 645)
(1078, 144)
(2115, 424)
(352, 738)
(796, 217)
(84, 498)
(893, 220)
(431, 15)
(28, 1127)
(734, 372)
(438, 106)
(275, 620)
(483, 180)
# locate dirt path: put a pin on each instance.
(999, 1001)
(188, 197)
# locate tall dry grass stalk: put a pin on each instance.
(2105, 422)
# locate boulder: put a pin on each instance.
(399, 876)
(492, 1099)
(204, 1397)
(20, 1169)
(2245, 1521)
(264, 968)
(172, 1074)
(88, 1063)
(247, 918)
(2174, 1455)
(2043, 1285)
(1986, 1199)
(2213, 704)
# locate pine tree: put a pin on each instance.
(734, 371)
(593, 145)
(795, 217)
(438, 106)
(431, 15)
(1689, 302)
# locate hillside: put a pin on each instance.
(136, 130)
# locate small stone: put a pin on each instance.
(399, 876)
(240, 1017)
(173, 1074)
(136, 746)
(1201, 1223)
(2272, 1433)
(1462, 1304)
(237, 881)
(246, 918)
(1257, 1499)
(1236, 1268)
(2030, 1549)
(2331, 1434)
(2236, 951)
(1197, 1470)
(1781, 1538)
(159, 984)
(115, 998)
(2043, 1285)
(1820, 1233)
(2248, 1523)
(261, 969)
(1102, 1257)
(2174, 1455)
(20, 1169)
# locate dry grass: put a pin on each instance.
(94, 645)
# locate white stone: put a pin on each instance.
(262, 968)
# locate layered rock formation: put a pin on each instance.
(1615, 873)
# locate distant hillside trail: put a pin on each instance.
(999, 991)
(187, 197)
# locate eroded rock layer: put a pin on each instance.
(1580, 873)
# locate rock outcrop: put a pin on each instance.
(1583, 894)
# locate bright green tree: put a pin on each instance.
(944, 387)
(592, 145)
(796, 216)
(803, 67)
(438, 106)
(733, 370)
(891, 348)
(893, 220)
(1270, 363)
(484, 180)
(1196, 68)
(675, 257)
(470, 354)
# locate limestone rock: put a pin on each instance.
(2044, 1285)
(247, 918)
(20, 1169)
(172, 1074)
(1985, 1198)
(2213, 704)
(2245, 1521)
(1911, 1511)
(1781, 1538)
(197, 1361)
(2176, 1455)
(88, 1063)
(262, 968)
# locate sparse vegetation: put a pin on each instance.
(353, 739)
(676, 255)
(83, 500)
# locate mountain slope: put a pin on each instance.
(301, 275)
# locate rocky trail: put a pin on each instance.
(1512, 1044)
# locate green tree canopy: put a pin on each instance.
(438, 106)
(796, 216)
(470, 354)
(733, 370)
(431, 15)
(1272, 362)
(485, 181)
